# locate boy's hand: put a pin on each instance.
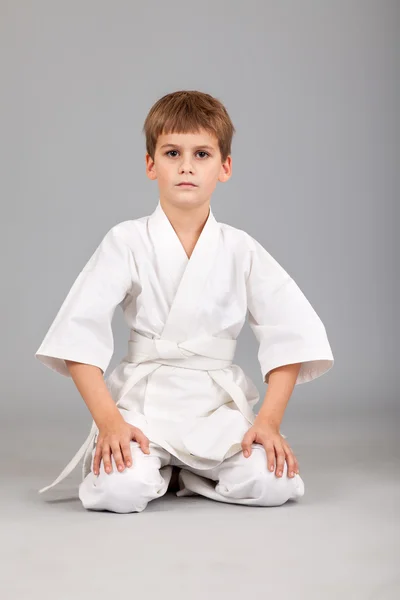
(268, 435)
(115, 439)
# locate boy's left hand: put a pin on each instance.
(268, 436)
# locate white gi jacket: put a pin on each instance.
(177, 382)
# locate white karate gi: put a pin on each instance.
(177, 382)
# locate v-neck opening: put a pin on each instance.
(187, 274)
(188, 258)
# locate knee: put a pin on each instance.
(270, 490)
(250, 479)
(122, 492)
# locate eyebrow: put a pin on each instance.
(178, 146)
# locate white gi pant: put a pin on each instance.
(237, 480)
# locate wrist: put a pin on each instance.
(110, 421)
(267, 421)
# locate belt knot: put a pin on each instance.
(167, 349)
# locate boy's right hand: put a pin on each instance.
(115, 438)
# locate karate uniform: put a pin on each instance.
(177, 382)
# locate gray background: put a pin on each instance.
(313, 91)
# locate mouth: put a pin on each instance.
(186, 185)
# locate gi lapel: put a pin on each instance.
(181, 323)
(190, 275)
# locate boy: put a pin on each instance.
(185, 283)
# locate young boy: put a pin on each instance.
(185, 283)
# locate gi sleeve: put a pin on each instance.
(81, 330)
(285, 324)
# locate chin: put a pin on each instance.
(186, 200)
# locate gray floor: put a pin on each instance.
(340, 541)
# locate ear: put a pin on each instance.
(150, 167)
(226, 169)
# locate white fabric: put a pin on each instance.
(178, 382)
(162, 352)
(236, 480)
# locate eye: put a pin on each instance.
(198, 152)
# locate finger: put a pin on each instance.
(270, 452)
(292, 466)
(107, 458)
(116, 452)
(247, 443)
(290, 460)
(126, 452)
(97, 458)
(143, 442)
(280, 459)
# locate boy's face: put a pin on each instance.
(193, 157)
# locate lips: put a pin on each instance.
(186, 185)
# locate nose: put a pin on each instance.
(186, 165)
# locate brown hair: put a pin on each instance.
(187, 111)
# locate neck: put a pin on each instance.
(187, 221)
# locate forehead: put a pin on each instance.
(200, 138)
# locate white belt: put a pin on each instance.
(209, 354)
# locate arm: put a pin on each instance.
(281, 382)
(115, 433)
(287, 327)
(293, 349)
(80, 343)
(82, 331)
(265, 429)
(92, 387)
